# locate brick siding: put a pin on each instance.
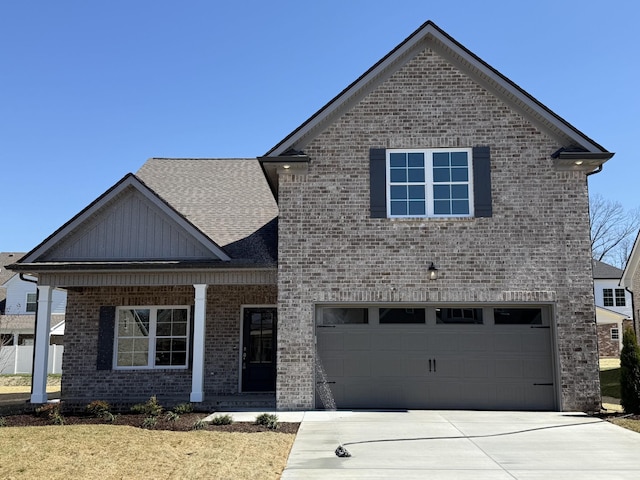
(535, 248)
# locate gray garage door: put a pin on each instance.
(493, 358)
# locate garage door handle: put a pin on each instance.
(543, 384)
(325, 383)
(434, 364)
(429, 364)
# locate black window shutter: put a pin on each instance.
(482, 182)
(106, 331)
(378, 182)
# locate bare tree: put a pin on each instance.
(613, 230)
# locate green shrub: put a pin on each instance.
(199, 425)
(150, 408)
(222, 420)
(630, 373)
(52, 411)
(172, 416)
(3, 422)
(269, 420)
(99, 409)
(150, 421)
(183, 408)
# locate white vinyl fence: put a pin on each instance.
(19, 359)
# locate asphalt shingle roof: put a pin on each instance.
(229, 200)
(604, 270)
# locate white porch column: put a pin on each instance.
(41, 347)
(199, 320)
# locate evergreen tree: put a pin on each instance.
(630, 373)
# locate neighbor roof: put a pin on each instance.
(604, 270)
(429, 35)
(7, 258)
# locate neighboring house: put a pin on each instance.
(18, 319)
(613, 308)
(631, 282)
(432, 252)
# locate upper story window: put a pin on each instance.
(151, 337)
(430, 182)
(609, 300)
(32, 303)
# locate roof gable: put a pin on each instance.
(128, 222)
(431, 36)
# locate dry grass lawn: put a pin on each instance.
(116, 452)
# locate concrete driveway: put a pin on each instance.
(461, 445)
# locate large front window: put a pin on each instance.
(429, 183)
(152, 337)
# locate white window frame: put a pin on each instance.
(152, 337)
(620, 301)
(34, 303)
(429, 182)
(605, 297)
(615, 333)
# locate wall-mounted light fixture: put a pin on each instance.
(433, 272)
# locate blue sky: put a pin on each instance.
(90, 89)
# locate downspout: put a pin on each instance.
(598, 170)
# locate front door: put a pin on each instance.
(259, 349)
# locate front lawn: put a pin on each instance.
(610, 382)
(116, 452)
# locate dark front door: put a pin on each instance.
(259, 350)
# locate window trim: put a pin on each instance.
(152, 337)
(429, 182)
(607, 296)
(34, 303)
(614, 333)
(620, 300)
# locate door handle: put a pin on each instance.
(429, 364)
(434, 364)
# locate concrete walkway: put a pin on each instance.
(460, 445)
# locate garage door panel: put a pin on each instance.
(507, 342)
(357, 340)
(475, 342)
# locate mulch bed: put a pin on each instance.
(183, 423)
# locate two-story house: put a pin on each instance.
(432, 251)
(613, 308)
(18, 318)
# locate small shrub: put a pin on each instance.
(52, 411)
(630, 373)
(99, 409)
(199, 425)
(183, 408)
(3, 422)
(172, 416)
(222, 420)
(269, 420)
(150, 421)
(150, 408)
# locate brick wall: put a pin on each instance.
(82, 382)
(534, 248)
(608, 347)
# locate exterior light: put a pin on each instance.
(433, 272)
(578, 162)
(286, 167)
